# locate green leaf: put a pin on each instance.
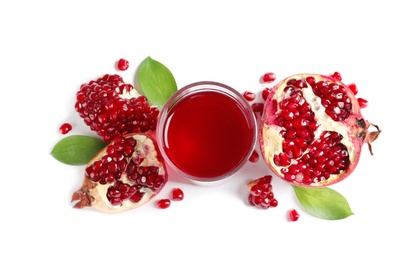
(77, 149)
(324, 202)
(156, 82)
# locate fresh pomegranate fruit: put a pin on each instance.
(112, 108)
(261, 194)
(126, 174)
(311, 132)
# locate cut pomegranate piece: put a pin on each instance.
(311, 132)
(261, 194)
(125, 175)
(112, 108)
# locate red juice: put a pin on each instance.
(208, 135)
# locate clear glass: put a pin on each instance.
(233, 100)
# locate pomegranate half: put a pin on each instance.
(126, 174)
(312, 131)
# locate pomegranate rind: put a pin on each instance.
(353, 129)
(93, 194)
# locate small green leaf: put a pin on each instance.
(77, 149)
(324, 202)
(156, 82)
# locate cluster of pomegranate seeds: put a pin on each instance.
(268, 77)
(65, 128)
(123, 64)
(336, 75)
(120, 157)
(121, 191)
(112, 108)
(298, 121)
(261, 194)
(293, 215)
(144, 175)
(333, 97)
(326, 156)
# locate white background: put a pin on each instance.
(48, 48)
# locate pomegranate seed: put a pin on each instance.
(65, 128)
(123, 64)
(254, 157)
(257, 107)
(265, 93)
(163, 203)
(353, 88)
(336, 75)
(268, 77)
(249, 96)
(177, 194)
(293, 215)
(362, 102)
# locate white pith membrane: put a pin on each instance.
(133, 93)
(271, 133)
(145, 148)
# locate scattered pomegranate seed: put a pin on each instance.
(257, 107)
(336, 75)
(163, 203)
(261, 194)
(249, 96)
(268, 77)
(177, 194)
(65, 128)
(123, 64)
(265, 93)
(362, 102)
(353, 88)
(293, 215)
(254, 157)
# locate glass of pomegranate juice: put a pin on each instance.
(206, 131)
